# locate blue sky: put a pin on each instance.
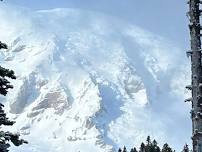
(163, 17)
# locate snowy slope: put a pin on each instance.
(90, 82)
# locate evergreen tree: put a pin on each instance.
(149, 146)
(148, 140)
(142, 147)
(155, 147)
(158, 149)
(119, 150)
(166, 148)
(6, 137)
(154, 142)
(186, 148)
(133, 150)
(124, 149)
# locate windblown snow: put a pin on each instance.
(90, 82)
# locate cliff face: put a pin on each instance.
(90, 82)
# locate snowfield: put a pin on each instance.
(90, 82)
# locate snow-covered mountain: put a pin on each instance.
(90, 82)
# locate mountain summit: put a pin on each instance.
(91, 82)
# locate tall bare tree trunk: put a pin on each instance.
(196, 68)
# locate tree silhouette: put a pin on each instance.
(152, 147)
(166, 148)
(6, 137)
(124, 149)
(142, 147)
(186, 148)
